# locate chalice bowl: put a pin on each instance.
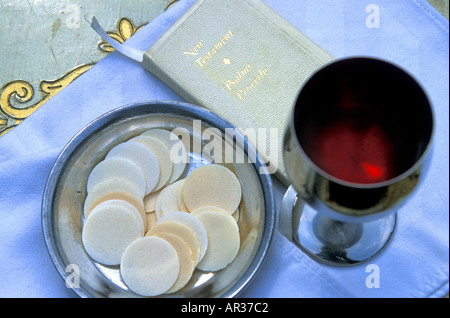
(358, 144)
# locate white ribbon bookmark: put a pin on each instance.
(129, 52)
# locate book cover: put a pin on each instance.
(241, 60)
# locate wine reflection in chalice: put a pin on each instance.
(358, 145)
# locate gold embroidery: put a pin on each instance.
(22, 92)
(125, 29)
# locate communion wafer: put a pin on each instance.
(187, 264)
(158, 212)
(163, 154)
(169, 200)
(130, 207)
(143, 157)
(194, 224)
(150, 201)
(212, 185)
(107, 233)
(178, 153)
(236, 214)
(110, 185)
(182, 231)
(125, 196)
(116, 167)
(181, 203)
(209, 208)
(223, 240)
(150, 266)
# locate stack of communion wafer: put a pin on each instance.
(157, 228)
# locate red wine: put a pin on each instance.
(354, 148)
(363, 121)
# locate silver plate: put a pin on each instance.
(65, 192)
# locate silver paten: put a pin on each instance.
(65, 191)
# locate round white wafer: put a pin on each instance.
(174, 144)
(158, 212)
(236, 214)
(199, 211)
(181, 204)
(169, 200)
(223, 240)
(194, 224)
(130, 207)
(212, 185)
(143, 157)
(108, 231)
(163, 155)
(182, 231)
(116, 167)
(108, 186)
(187, 264)
(150, 266)
(150, 201)
(94, 200)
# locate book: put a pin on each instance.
(241, 60)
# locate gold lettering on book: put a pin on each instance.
(236, 86)
(241, 92)
(240, 74)
(193, 52)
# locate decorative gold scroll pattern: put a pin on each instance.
(20, 92)
(125, 29)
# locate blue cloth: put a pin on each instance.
(411, 33)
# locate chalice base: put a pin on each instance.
(338, 243)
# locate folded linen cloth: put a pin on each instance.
(415, 264)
